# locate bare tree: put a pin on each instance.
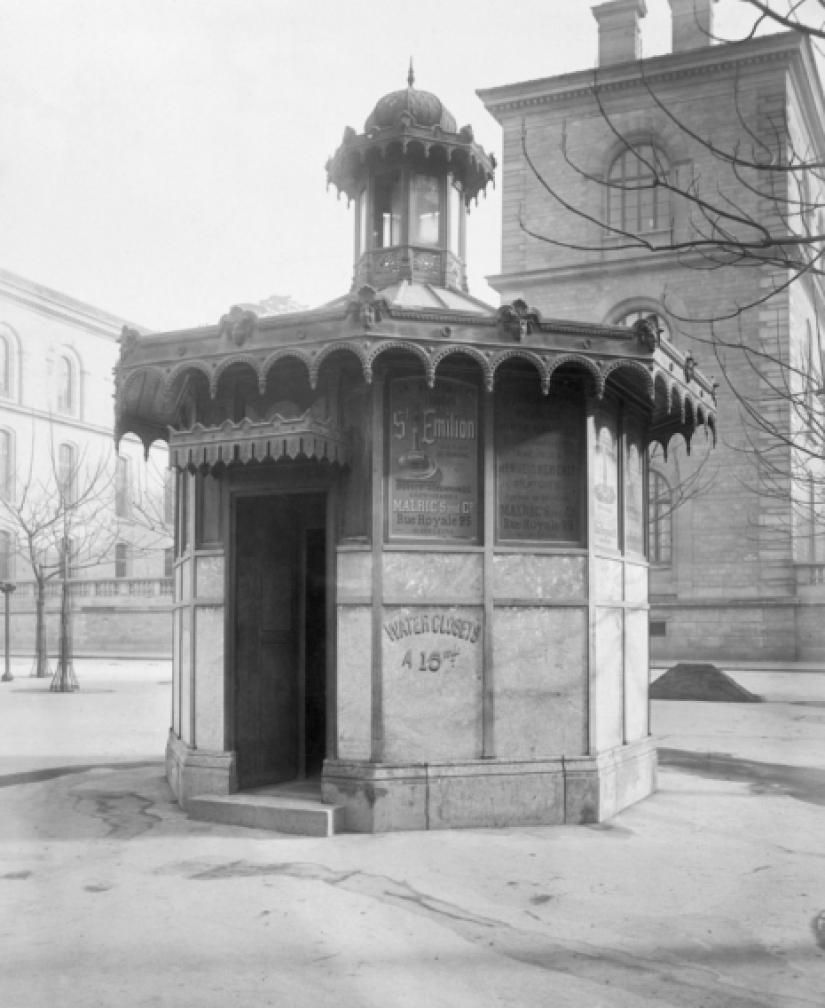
(761, 207)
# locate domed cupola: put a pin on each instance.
(412, 175)
(420, 107)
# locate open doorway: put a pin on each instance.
(280, 637)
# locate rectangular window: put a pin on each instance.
(5, 464)
(6, 556)
(123, 560)
(122, 488)
(169, 562)
(425, 210)
(658, 628)
(169, 498)
(362, 222)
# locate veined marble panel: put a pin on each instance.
(536, 576)
(636, 674)
(186, 676)
(432, 662)
(607, 708)
(209, 677)
(540, 682)
(176, 665)
(635, 583)
(354, 687)
(608, 580)
(209, 576)
(354, 575)
(422, 575)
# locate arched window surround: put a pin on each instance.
(644, 306)
(68, 382)
(638, 209)
(9, 363)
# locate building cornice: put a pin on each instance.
(509, 98)
(59, 306)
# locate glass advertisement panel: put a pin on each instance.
(634, 490)
(539, 442)
(433, 460)
(606, 479)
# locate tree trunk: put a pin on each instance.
(41, 651)
(64, 678)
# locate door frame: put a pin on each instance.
(292, 481)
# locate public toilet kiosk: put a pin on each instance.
(411, 589)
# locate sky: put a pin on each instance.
(164, 159)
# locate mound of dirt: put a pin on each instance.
(699, 682)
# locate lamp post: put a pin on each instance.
(6, 587)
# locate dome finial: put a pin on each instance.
(411, 75)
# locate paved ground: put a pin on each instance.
(710, 894)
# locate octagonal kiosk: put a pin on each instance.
(410, 573)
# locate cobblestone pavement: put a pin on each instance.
(711, 893)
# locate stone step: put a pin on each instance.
(292, 808)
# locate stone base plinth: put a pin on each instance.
(198, 771)
(381, 797)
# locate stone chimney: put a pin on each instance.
(692, 24)
(619, 37)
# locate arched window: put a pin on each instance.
(66, 385)
(5, 367)
(635, 202)
(6, 556)
(629, 317)
(6, 463)
(66, 472)
(661, 519)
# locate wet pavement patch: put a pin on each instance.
(16, 875)
(52, 773)
(806, 784)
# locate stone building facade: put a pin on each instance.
(56, 386)
(736, 568)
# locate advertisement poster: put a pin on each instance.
(634, 527)
(606, 480)
(539, 465)
(433, 447)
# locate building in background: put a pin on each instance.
(736, 566)
(56, 417)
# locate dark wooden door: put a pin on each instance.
(271, 622)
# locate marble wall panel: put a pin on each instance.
(635, 583)
(536, 576)
(186, 675)
(176, 659)
(209, 677)
(209, 576)
(354, 689)
(540, 682)
(636, 674)
(354, 575)
(607, 579)
(607, 693)
(432, 664)
(423, 575)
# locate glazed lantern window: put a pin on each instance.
(386, 226)
(426, 207)
(455, 218)
(362, 222)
